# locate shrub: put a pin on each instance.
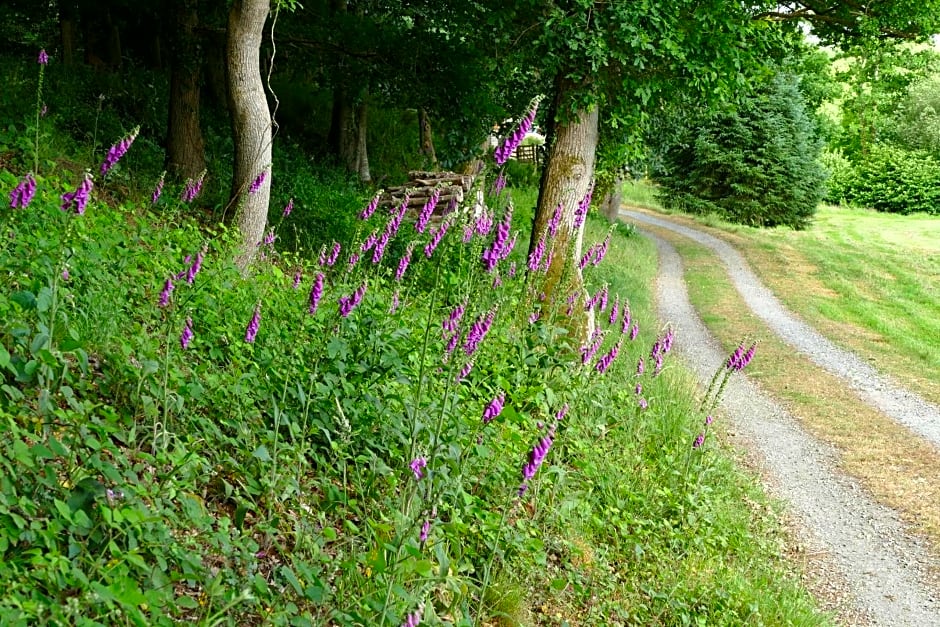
(756, 165)
(894, 180)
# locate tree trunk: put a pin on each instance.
(185, 149)
(569, 171)
(614, 199)
(216, 80)
(362, 153)
(68, 16)
(251, 122)
(427, 139)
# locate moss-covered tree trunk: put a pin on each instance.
(569, 171)
(251, 122)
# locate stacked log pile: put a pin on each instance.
(421, 185)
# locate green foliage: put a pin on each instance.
(892, 179)
(756, 165)
(522, 174)
(917, 122)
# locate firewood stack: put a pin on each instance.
(421, 186)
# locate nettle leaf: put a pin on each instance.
(44, 300)
(25, 299)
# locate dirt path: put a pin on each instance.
(903, 406)
(862, 556)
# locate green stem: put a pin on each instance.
(488, 569)
(42, 69)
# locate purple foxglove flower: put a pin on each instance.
(500, 248)
(468, 231)
(316, 293)
(536, 457)
(534, 316)
(23, 193)
(252, 331)
(369, 242)
(555, 222)
(604, 362)
(187, 335)
(43, 57)
(699, 440)
(370, 208)
(165, 294)
(197, 265)
(484, 223)
(625, 321)
(298, 277)
(348, 303)
(634, 331)
(117, 151)
(453, 320)
(638, 389)
(329, 260)
(581, 212)
(413, 619)
(709, 420)
(465, 371)
(193, 188)
(269, 238)
(425, 532)
(418, 464)
(588, 351)
(494, 408)
(497, 281)
(436, 238)
(404, 261)
(478, 331)
(395, 303)
(603, 299)
(601, 251)
(748, 356)
(258, 182)
(288, 208)
(498, 184)
(614, 311)
(510, 143)
(79, 198)
(380, 245)
(586, 258)
(643, 404)
(353, 259)
(640, 367)
(535, 258)
(65, 274)
(425, 215)
(512, 270)
(158, 189)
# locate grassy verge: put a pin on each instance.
(896, 467)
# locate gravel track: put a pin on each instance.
(877, 390)
(866, 567)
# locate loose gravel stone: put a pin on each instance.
(867, 568)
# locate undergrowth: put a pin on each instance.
(361, 430)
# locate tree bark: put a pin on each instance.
(610, 207)
(185, 152)
(362, 152)
(569, 171)
(427, 138)
(251, 122)
(68, 16)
